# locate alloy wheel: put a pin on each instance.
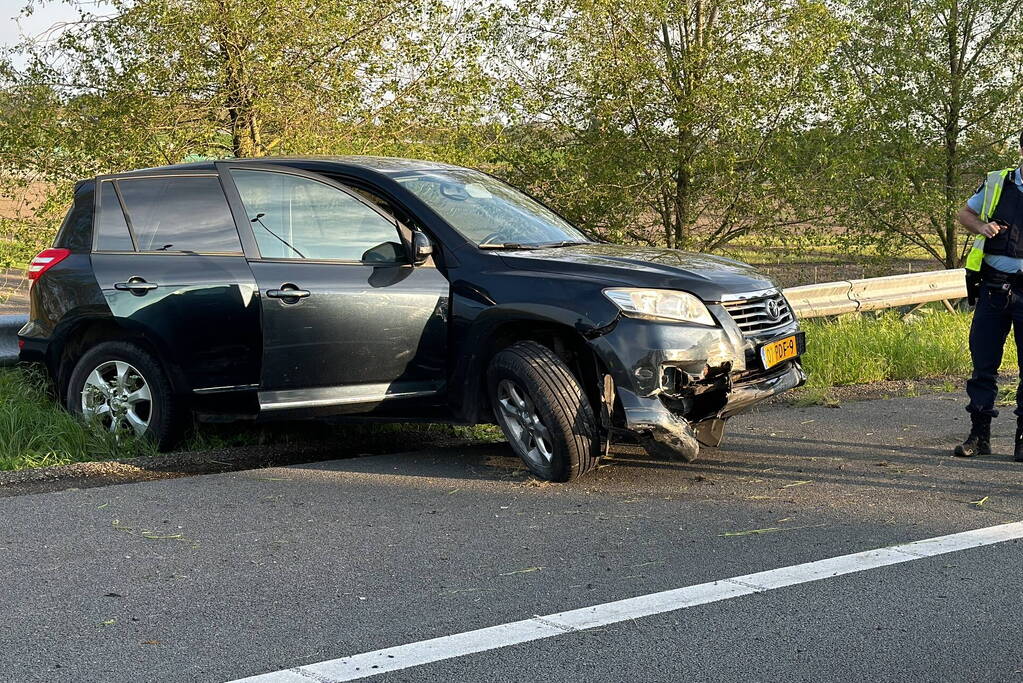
(117, 396)
(522, 424)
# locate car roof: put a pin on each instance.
(385, 165)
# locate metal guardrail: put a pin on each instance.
(872, 294)
(809, 301)
(9, 326)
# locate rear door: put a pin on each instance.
(169, 260)
(347, 319)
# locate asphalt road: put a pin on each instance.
(217, 577)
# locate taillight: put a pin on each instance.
(46, 259)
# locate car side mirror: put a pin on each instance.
(422, 248)
(386, 253)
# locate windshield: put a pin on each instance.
(489, 212)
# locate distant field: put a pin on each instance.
(24, 201)
(813, 272)
(13, 291)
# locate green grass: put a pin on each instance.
(36, 432)
(857, 349)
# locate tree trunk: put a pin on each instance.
(239, 99)
(951, 147)
(683, 195)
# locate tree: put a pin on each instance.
(931, 92)
(675, 110)
(137, 83)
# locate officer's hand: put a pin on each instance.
(991, 229)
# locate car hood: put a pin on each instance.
(709, 277)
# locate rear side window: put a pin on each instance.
(76, 232)
(111, 229)
(180, 213)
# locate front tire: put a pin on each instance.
(543, 411)
(120, 388)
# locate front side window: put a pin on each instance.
(180, 213)
(294, 217)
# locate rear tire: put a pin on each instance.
(122, 389)
(543, 411)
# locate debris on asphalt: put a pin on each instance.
(522, 571)
(752, 532)
(771, 530)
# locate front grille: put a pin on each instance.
(754, 316)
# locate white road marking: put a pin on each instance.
(368, 664)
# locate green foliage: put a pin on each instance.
(669, 119)
(926, 101)
(686, 123)
(138, 83)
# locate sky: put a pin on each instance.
(45, 15)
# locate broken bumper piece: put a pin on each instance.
(676, 384)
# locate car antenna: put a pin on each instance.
(285, 242)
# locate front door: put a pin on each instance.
(347, 319)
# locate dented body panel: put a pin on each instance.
(670, 377)
(412, 339)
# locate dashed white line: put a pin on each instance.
(400, 657)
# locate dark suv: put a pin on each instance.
(399, 290)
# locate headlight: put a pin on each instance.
(660, 304)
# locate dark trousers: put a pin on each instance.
(997, 311)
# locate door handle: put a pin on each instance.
(287, 291)
(135, 285)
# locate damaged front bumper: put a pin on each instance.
(675, 384)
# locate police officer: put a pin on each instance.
(995, 215)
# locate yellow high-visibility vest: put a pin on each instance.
(992, 193)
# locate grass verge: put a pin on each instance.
(856, 349)
(36, 432)
(932, 345)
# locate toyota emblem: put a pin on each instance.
(773, 309)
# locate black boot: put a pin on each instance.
(979, 440)
(1017, 452)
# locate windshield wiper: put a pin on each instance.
(522, 245)
(505, 245)
(555, 245)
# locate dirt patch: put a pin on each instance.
(184, 464)
(873, 391)
(127, 470)
(130, 470)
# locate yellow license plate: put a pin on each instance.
(775, 352)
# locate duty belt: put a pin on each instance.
(992, 278)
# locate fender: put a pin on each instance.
(89, 316)
(484, 330)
